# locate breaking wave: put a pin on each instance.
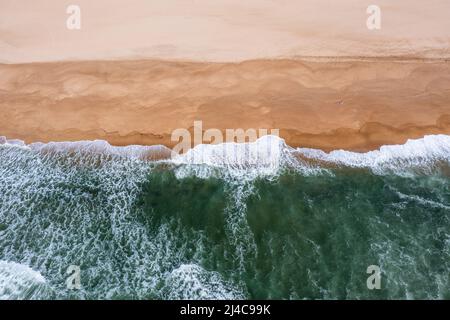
(265, 157)
(420, 155)
(190, 281)
(19, 282)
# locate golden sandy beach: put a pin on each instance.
(357, 105)
(132, 74)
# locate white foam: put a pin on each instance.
(190, 281)
(246, 161)
(103, 147)
(267, 151)
(18, 281)
(420, 200)
(12, 143)
(419, 154)
(264, 157)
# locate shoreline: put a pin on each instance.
(418, 155)
(360, 141)
(355, 105)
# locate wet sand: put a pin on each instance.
(354, 104)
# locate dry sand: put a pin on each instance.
(221, 30)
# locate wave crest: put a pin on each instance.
(415, 156)
(190, 281)
(265, 157)
(20, 282)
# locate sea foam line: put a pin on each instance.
(421, 153)
(267, 154)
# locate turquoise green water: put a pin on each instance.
(146, 230)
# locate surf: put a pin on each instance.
(265, 157)
(228, 221)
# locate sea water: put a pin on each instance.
(230, 221)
